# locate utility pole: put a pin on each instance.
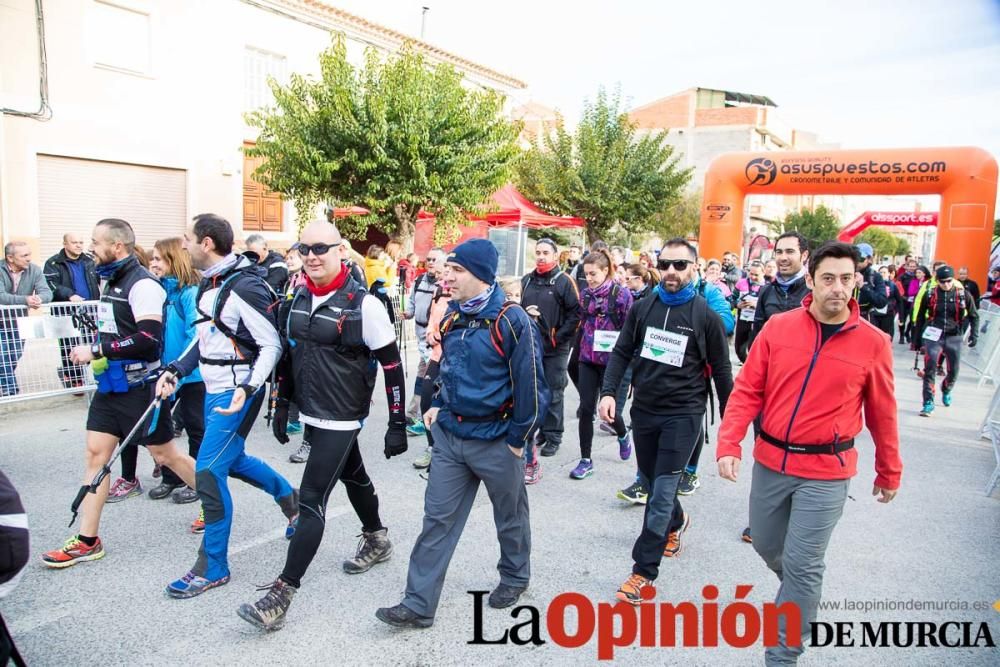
(423, 21)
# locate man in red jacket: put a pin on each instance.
(809, 374)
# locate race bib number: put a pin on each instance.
(106, 319)
(747, 314)
(665, 347)
(932, 333)
(604, 341)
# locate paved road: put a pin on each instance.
(938, 541)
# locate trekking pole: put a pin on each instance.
(106, 468)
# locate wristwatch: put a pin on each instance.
(95, 351)
(248, 389)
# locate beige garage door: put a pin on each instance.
(74, 194)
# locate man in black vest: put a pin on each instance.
(335, 329)
(72, 276)
(130, 328)
(791, 253)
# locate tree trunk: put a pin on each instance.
(593, 233)
(405, 229)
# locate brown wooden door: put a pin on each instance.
(262, 209)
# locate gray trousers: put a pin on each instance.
(791, 520)
(459, 465)
(554, 367)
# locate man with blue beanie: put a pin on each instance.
(490, 398)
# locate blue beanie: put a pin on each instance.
(477, 256)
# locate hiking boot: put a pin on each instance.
(625, 446)
(416, 428)
(198, 525)
(424, 460)
(606, 428)
(631, 590)
(294, 428)
(504, 595)
(946, 398)
(689, 482)
(184, 495)
(162, 490)
(549, 449)
(373, 548)
(72, 552)
(674, 539)
(927, 409)
(123, 489)
(402, 616)
(746, 536)
(635, 494)
(301, 454)
(583, 469)
(191, 585)
(268, 613)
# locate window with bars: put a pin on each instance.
(258, 65)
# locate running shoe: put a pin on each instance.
(301, 455)
(635, 494)
(946, 398)
(402, 616)
(606, 428)
(549, 449)
(294, 428)
(373, 548)
(631, 590)
(583, 469)
(122, 489)
(625, 446)
(424, 460)
(532, 472)
(163, 489)
(746, 536)
(191, 585)
(268, 613)
(689, 482)
(184, 495)
(198, 525)
(928, 409)
(416, 428)
(674, 539)
(73, 551)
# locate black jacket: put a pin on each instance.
(773, 299)
(60, 278)
(558, 300)
(666, 389)
(871, 292)
(277, 271)
(949, 311)
(13, 536)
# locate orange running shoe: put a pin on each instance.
(674, 539)
(73, 552)
(631, 590)
(198, 525)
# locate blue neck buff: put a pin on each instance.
(475, 305)
(678, 298)
(110, 271)
(785, 282)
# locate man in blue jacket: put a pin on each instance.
(491, 399)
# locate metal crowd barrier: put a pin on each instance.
(34, 350)
(991, 430)
(985, 357)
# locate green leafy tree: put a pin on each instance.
(883, 242)
(605, 172)
(902, 247)
(394, 136)
(682, 218)
(819, 225)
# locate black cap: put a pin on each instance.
(944, 272)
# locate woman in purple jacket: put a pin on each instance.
(603, 307)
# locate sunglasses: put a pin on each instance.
(678, 264)
(317, 249)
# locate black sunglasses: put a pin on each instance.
(317, 249)
(678, 264)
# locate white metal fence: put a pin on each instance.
(35, 346)
(985, 357)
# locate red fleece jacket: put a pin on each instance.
(851, 371)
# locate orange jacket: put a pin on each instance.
(807, 393)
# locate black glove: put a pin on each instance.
(279, 426)
(972, 342)
(395, 440)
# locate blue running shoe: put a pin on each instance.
(583, 469)
(191, 585)
(625, 446)
(294, 428)
(928, 409)
(946, 398)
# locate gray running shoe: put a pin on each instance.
(301, 455)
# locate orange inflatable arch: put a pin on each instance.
(965, 177)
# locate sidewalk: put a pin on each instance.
(937, 541)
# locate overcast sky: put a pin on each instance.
(871, 73)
